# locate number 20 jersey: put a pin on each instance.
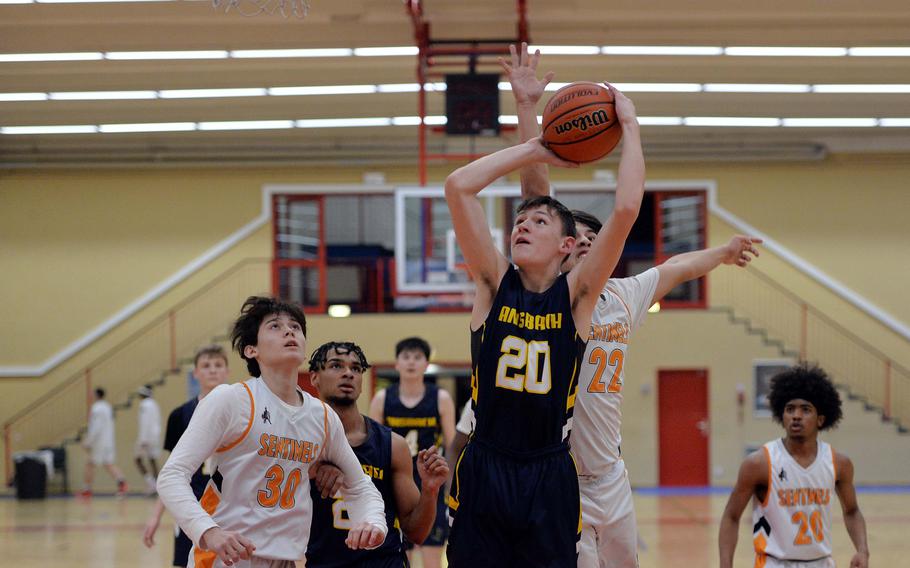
(525, 360)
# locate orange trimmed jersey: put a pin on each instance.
(794, 520)
(620, 310)
(525, 362)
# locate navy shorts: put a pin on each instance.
(509, 511)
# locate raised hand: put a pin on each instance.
(739, 249)
(432, 468)
(625, 108)
(230, 546)
(522, 73)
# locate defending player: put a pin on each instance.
(424, 415)
(264, 435)
(384, 456)
(790, 482)
(515, 491)
(609, 533)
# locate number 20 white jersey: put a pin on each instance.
(794, 521)
(596, 436)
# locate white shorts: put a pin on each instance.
(771, 562)
(147, 451)
(609, 537)
(102, 455)
(254, 562)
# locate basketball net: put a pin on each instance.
(250, 8)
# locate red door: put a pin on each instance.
(682, 398)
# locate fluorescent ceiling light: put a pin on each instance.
(61, 129)
(661, 50)
(730, 121)
(879, 51)
(398, 88)
(270, 53)
(139, 55)
(339, 310)
(342, 122)
(385, 51)
(894, 122)
(435, 120)
(323, 90)
(5, 97)
(74, 56)
(205, 93)
(763, 51)
(148, 127)
(830, 122)
(101, 95)
(660, 120)
(755, 88)
(405, 120)
(15, 1)
(659, 87)
(866, 89)
(509, 119)
(91, 1)
(247, 125)
(565, 49)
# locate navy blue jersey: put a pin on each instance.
(420, 426)
(525, 362)
(177, 423)
(331, 522)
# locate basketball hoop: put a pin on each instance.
(250, 8)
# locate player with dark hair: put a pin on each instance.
(514, 497)
(338, 369)
(791, 479)
(424, 415)
(264, 435)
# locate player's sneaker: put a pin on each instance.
(85, 493)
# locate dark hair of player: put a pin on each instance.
(587, 220)
(320, 356)
(99, 392)
(809, 383)
(413, 344)
(210, 351)
(246, 329)
(568, 222)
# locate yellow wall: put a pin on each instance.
(81, 245)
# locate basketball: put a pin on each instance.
(580, 124)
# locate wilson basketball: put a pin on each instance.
(580, 124)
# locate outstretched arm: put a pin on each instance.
(691, 265)
(487, 264)
(527, 90)
(853, 517)
(587, 280)
(753, 475)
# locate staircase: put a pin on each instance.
(800, 331)
(148, 355)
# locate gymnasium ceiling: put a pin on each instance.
(195, 25)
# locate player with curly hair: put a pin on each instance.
(790, 481)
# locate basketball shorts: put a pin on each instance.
(609, 537)
(146, 451)
(771, 562)
(102, 454)
(509, 511)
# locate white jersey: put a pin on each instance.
(263, 449)
(100, 433)
(619, 312)
(794, 521)
(149, 423)
(465, 423)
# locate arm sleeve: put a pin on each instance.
(364, 502)
(220, 417)
(637, 293)
(466, 422)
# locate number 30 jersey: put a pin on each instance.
(620, 310)
(525, 362)
(794, 520)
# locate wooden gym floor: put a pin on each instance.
(677, 529)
